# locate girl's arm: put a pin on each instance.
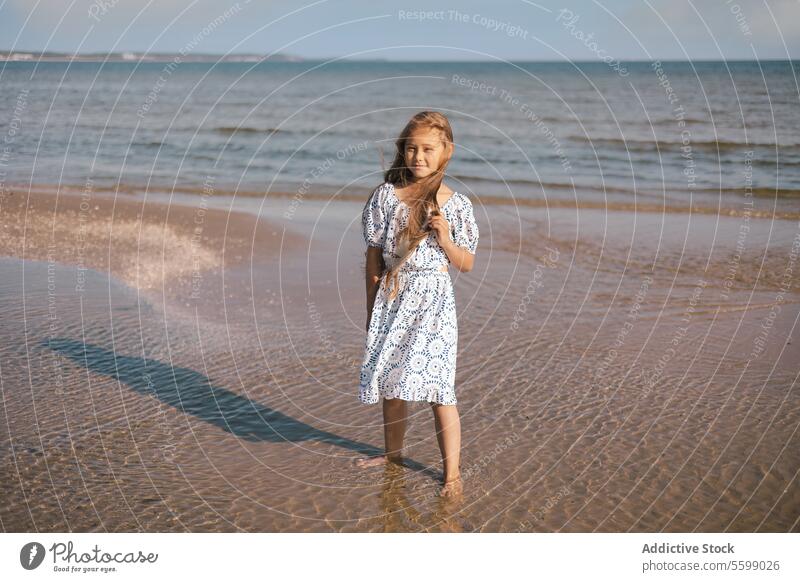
(375, 266)
(461, 258)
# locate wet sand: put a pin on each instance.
(617, 371)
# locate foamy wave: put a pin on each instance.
(142, 255)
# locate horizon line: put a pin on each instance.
(285, 57)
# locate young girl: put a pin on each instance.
(414, 225)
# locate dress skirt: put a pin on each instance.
(411, 341)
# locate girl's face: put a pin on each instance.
(425, 152)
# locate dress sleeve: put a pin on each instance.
(466, 228)
(373, 220)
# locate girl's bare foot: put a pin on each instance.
(375, 461)
(452, 488)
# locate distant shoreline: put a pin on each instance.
(134, 57)
(23, 56)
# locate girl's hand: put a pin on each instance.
(441, 227)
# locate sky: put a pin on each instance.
(517, 30)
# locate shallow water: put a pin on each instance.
(596, 393)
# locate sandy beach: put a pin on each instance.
(175, 362)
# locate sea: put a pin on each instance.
(676, 134)
(183, 368)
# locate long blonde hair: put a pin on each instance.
(425, 190)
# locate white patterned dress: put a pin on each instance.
(412, 339)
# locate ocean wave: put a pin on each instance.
(518, 182)
(669, 121)
(653, 145)
(154, 143)
(759, 191)
(232, 129)
(359, 194)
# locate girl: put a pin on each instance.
(413, 226)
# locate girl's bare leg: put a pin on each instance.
(394, 431)
(448, 433)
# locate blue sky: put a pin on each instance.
(466, 30)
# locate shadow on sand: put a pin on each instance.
(193, 393)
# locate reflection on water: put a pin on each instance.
(403, 511)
